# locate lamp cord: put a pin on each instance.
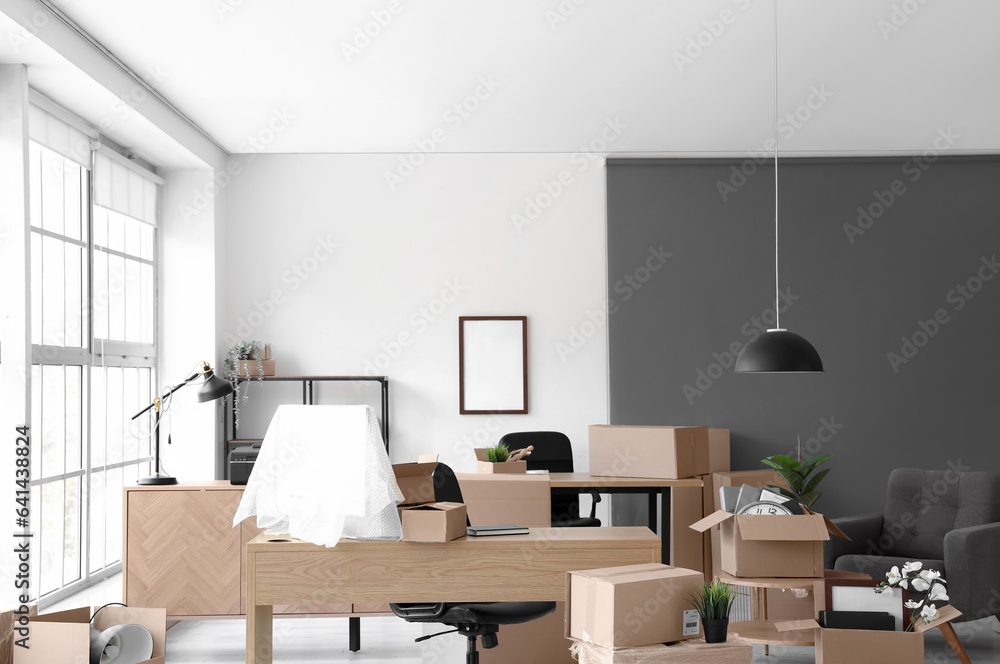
(777, 313)
(106, 606)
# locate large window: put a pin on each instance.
(93, 304)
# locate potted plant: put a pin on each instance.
(801, 477)
(713, 606)
(244, 360)
(926, 581)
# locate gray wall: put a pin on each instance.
(854, 302)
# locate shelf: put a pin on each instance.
(242, 441)
(377, 379)
(765, 633)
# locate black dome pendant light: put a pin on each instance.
(778, 350)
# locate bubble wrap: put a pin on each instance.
(323, 473)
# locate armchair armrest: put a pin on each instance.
(861, 529)
(972, 569)
(593, 506)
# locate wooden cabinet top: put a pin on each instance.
(202, 485)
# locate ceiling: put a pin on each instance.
(295, 77)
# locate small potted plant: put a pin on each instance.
(926, 581)
(496, 459)
(245, 360)
(801, 477)
(713, 606)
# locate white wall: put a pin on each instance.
(446, 229)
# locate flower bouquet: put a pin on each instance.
(927, 581)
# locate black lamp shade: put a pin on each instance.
(779, 351)
(214, 387)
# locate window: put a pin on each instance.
(93, 322)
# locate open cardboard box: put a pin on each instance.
(64, 637)
(415, 480)
(634, 605)
(433, 522)
(484, 465)
(863, 646)
(653, 452)
(771, 545)
(496, 500)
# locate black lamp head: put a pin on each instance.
(213, 387)
(779, 351)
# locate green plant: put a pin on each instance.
(242, 351)
(802, 478)
(497, 453)
(715, 600)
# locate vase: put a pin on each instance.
(716, 630)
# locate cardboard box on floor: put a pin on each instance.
(433, 522)
(712, 538)
(484, 465)
(634, 605)
(771, 546)
(733, 651)
(64, 637)
(537, 642)
(495, 500)
(862, 646)
(654, 452)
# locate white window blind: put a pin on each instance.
(59, 136)
(121, 188)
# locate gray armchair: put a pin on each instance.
(949, 520)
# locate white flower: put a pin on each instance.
(911, 604)
(920, 585)
(909, 568)
(938, 592)
(893, 576)
(930, 575)
(929, 613)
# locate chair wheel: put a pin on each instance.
(490, 641)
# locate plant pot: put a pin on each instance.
(716, 630)
(251, 369)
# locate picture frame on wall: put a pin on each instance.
(860, 595)
(492, 365)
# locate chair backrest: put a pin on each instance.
(446, 487)
(921, 506)
(553, 451)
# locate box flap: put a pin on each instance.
(713, 519)
(81, 615)
(794, 528)
(946, 614)
(413, 469)
(433, 507)
(427, 458)
(831, 527)
(481, 454)
(794, 625)
(414, 482)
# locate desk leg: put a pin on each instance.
(259, 619)
(653, 521)
(665, 525)
(354, 634)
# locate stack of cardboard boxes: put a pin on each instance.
(423, 519)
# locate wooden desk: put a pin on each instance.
(512, 568)
(579, 482)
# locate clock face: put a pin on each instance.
(763, 507)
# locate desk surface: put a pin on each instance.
(573, 480)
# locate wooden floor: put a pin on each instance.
(390, 641)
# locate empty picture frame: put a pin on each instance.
(492, 365)
(860, 595)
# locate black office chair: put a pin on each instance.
(470, 619)
(554, 453)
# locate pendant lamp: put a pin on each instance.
(778, 350)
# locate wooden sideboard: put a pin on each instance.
(183, 554)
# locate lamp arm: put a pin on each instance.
(169, 391)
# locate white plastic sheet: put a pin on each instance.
(323, 473)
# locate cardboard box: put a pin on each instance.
(64, 637)
(788, 604)
(496, 500)
(536, 642)
(415, 480)
(433, 522)
(734, 651)
(718, 450)
(250, 368)
(484, 465)
(635, 605)
(757, 478)
(771, 546)
(862, 646)
(655, 452)
(686, 545)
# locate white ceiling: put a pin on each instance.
(231, 65)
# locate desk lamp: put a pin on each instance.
(212, 387)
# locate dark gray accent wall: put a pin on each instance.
(921, 266)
